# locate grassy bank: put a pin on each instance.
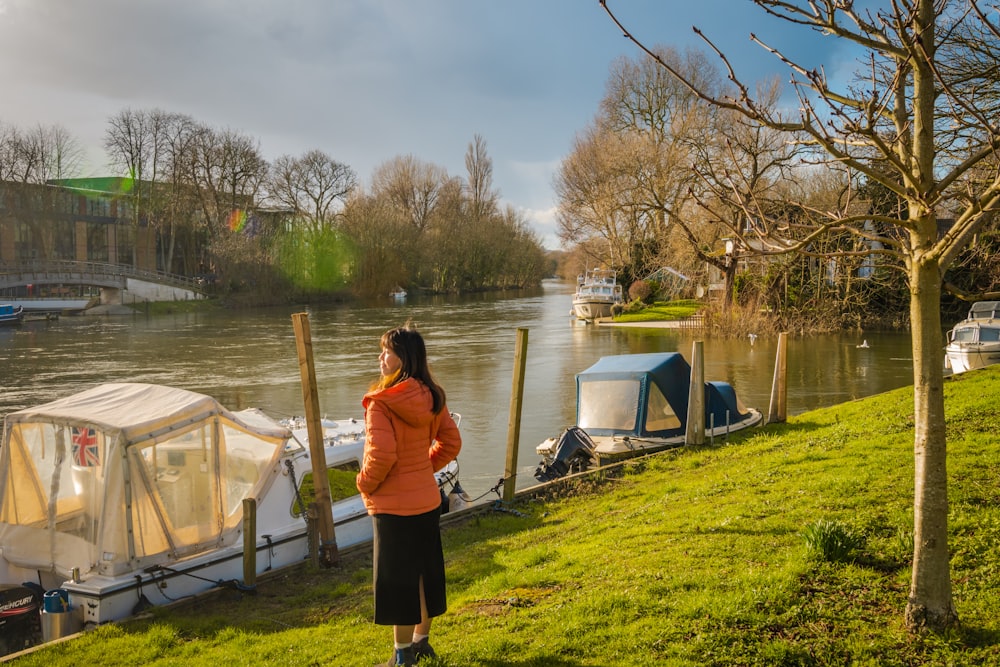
(702, 556)
(662, 311)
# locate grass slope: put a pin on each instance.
(693, 557)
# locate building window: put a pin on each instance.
(99, 207)
(126, 243)
(64, 240)
(97, 242)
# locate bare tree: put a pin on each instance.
(39, 154)
(916, 128)
(412, 186)
(312, 186)
(479, 167)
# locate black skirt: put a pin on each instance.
(406, 549)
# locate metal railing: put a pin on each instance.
(15, 274)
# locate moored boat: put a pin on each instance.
(130, 495)
(11, 314)
(634, 404)
(597, 291)
(975, 341)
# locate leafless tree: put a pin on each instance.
(38, 155)
(479, 184)
(312, 186)
(912, 124)
(412, 186)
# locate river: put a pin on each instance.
(248, 359)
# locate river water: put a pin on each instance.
(248, 359)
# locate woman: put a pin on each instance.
(409, 434)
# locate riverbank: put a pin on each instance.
(705, 555)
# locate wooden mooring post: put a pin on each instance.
(778, 410)
(317, 453)
(250, 542)
(514, 420)
(695, 433)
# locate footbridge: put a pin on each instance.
(118, 284)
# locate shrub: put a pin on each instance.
(640, 291)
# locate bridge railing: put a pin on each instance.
(57, 267)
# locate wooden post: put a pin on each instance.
(779, 387)
(695, 433)
(514, 420)
(310, 396)
(250, 541)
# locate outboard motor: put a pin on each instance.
(574, 452)
(20, 620)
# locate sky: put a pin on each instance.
(366, 81)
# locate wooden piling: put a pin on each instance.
(778, 411)
(695, 434)
(310, 397)
(250, 542)
(514, 420)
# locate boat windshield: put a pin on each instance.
(660, 416)
(963, 334)
(610, 404)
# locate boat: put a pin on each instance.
(11, 314)
(399, 294)
(975, 341)
(597, 291)
(632, 404)
(128, 495)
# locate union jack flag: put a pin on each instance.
(85, 449)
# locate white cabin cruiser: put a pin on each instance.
(975, 341)
(130, 495)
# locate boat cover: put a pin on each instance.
(126, 475)
(646, 395)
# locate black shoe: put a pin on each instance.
(401, 657)
(422, 649)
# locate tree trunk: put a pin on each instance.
(930, 602)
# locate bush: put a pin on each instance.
(641, 290)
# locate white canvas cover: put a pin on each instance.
(126, 475)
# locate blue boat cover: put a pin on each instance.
(646, 395)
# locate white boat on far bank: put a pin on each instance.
(597, 290)
(975, 341)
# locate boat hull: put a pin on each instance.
(99, 599)
(970, 356)
(588, 309)
(609, 449)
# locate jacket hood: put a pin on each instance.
(410, 400)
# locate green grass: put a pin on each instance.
(662, 310)
(700, 556)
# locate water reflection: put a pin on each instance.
(248, 359)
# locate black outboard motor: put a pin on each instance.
(20, 620)
(574, 452)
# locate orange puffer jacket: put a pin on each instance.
(405, 443)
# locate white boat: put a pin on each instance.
(975, 341)
(129, 495)
(632, 404)
(597, 290)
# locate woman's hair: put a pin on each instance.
(407, 344)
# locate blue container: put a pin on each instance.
(56, 601)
